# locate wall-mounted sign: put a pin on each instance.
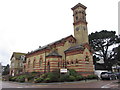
(63, 70)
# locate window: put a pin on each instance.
(40, 61)
(76, 12)
(76, 61)
(21, 65)
(67, 62)
(72, 62)
(29, 64)
(58, 64)
(76, 17)
(48, 66)
(87, 58)
(34, 63)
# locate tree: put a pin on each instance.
(6, 70)
(117, 51)
(100, 42)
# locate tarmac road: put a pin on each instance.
(78, 84)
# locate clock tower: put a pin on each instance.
(80, 24)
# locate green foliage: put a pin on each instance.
(21, 78)
(38, 80)
(64, 77)
(12, 78)
(51, 77)
(117, 55)
(6, 70)
(47, 80)
(72, 72)
(100, 42)
(44, 75)
(79, 77)
(92, 77)
(71, 78)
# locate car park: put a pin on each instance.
(108, 76)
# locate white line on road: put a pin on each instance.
(19, 87)
(105, 86)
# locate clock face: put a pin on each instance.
(77, 28)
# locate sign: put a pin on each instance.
(63, 70)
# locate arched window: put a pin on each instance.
(87, 58)
(40, 61)
(29, 63)
(72, 62)
(76, 12)
(76, 18)
(48, 65)
(76, 61)
(34, 63)
(58, 64)
(67, 62)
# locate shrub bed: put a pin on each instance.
(72, 75)
(92, 77)
(38, 80)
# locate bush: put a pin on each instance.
(30, 77)
(78, 78)
(38, 80)
(44, 75)
(21, 78)
(92, 77)
(13, 78)
(50, 77)
(64, 77)
(54, 76)
(71, 78)
(47, 80)
(72, 72)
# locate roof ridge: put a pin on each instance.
(45, 46)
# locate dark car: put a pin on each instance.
(108, 76)
(118, 75)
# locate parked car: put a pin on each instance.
(98, 73)
(108, 75)
(118, 75)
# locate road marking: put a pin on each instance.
(106, 86)
(19, 87)
(109, 85)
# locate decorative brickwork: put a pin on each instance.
(71, 52)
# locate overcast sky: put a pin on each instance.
(27, 24)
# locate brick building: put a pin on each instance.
(71, 52)
(16, 65)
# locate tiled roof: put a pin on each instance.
(79, 5)
(77, 47)
(54, 53)
(17, 55)
(48, 45)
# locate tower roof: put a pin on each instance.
(79, 5)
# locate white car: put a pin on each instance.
(98, 72)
